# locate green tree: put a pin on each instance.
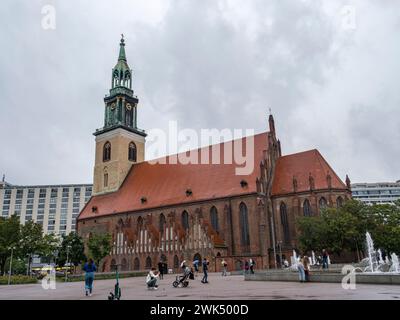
(75, 246)
(32, 241)
(345, 228)
(99, 246)
(10, 235)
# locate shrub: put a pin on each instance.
(17, 279)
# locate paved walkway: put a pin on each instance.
(231, 287)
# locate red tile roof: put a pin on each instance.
(166, 184)
(300, 165)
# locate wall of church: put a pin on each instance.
(295, 208)
(140, 240)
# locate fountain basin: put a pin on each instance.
(327, 277)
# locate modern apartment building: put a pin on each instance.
(375, 193)
(55, 207)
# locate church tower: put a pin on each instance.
(119, 144)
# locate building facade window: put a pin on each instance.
(185, 220)
(148, 263)
(136, 264)
(105, 180)
(307, 208)
(244, 225)
(284, 222)
(132, 152)
(339, 202)
(323, 204)
(162, 223)
(107, 152)
(214, 218)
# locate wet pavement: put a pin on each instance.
(225, 288)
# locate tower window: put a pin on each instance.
(132, 152)
(106, 180)
(107, 152)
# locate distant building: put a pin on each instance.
(375, 193)
(55, 207)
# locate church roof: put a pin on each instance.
(169, 184)
(300, 166)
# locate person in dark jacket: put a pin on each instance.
(161, 269)
(90, 269)
(205, 269)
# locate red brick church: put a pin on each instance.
(171, 211)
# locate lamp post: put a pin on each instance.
(66, 263)
(9, 271)
(280, 252)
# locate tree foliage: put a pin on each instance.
(73, 245)
(99, 246)
(345, 228)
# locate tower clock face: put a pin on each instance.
(113, 106)
(128, 107)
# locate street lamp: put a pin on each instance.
(280, 252)
(9, 271)
(68, 247)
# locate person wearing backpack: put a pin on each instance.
(205, 269)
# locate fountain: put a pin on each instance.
(294, 258)
(371, 253)
(395, 263)
(314, 262)
(380, 259)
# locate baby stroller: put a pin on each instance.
(183, 280)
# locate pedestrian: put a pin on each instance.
(151, 279)
(300, 268)
(224, 267)
(306, 265)
(161, 270)
(205, 269)
(324, 259)
(246, 266)
(196, 267)
(90, 269)
(251, 265)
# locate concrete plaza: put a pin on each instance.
(231, 287)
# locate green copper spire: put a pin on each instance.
(121, 74)
(122, 55)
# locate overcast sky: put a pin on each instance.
(329, 70)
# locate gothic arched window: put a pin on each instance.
(128, 115)
(139, 223)
(214, 219)
(176, 261)
(136, 264)
(285, 222)
(244, 225)
(185, 220)
(339, 202)
(132, 152)
(107, 152)
(105, 179)
(307, 208)
(162, 223)
(148, 263)
(323, 204)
